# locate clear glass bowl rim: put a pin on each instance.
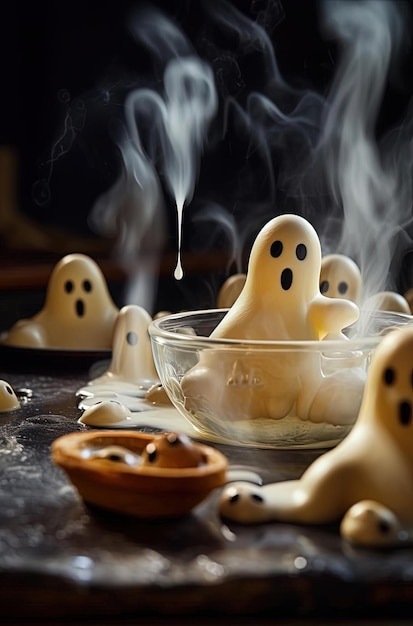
(178, 339)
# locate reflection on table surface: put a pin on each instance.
(62, 560)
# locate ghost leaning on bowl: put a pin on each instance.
(8, 398)
(366, 482)
(132, 369)
(78, 312)
(105, 469)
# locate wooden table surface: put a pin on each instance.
(64, 562)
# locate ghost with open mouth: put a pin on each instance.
(78, 313)
(281, 301)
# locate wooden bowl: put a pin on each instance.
(135, 488)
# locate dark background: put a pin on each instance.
(80, 57)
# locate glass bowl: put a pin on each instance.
(267, 394)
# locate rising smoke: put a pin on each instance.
(290, 148)
(369, 180)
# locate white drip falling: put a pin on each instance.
(180, 119)
(179, 272)
(190, 104)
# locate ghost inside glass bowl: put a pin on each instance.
(146, 476)
(276, 394)
(278, 368)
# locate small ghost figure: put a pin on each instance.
(105, 413)
(132, 366)
(230, 290)
(78, 313)
(366, 482)
(388, 301)
(281, 300)
(340, 277)
(157, 395)
(8, 398)
(174, 451)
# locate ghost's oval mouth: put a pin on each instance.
(405, 413)
(80, 308)
(286, 278)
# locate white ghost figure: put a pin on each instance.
(340, 277)
(105, 413)
(78, 313)
(131, 371)
(280, 301)
(388, 301)
(366, 482)
(8, 398)
(230, 290)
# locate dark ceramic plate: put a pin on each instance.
(23, 359)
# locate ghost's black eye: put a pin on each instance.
(384, 527)
(324, 286)
(9, 390)
(342, 287)
(115, 457)
(69, 286)
(257, 497)
(132, 338)
(276, 248)
(405, 413)
(389, 376)
(301, 251)
(87, 286)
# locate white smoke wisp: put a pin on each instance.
(252, 35)
(226, 225)
(182, 113)
(281, 121)
(132, 212)
(163, 137)
(363, 181)
(182, 117)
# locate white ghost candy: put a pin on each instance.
(78, 312)
(281, 300)
(8, 398)
(340, 277)
(230, 290)
(388, 301)
(367, 480)
(105, 413)
(132, 369)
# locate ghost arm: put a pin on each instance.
(328, 316)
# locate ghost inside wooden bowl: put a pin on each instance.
(120, 472)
